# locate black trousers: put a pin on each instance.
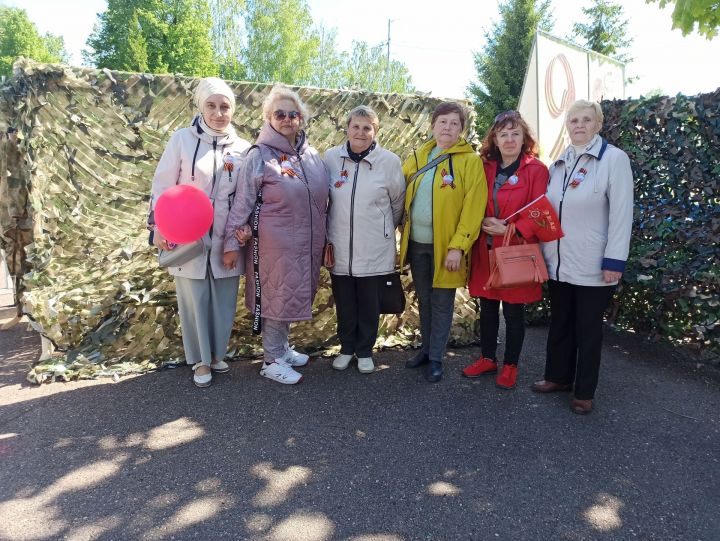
(357, 304)
(575, 338)
(514, 315)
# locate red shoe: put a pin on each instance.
(482, 366)
(507, 377)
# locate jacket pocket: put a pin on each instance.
(387, 221)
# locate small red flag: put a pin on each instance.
(543, 218)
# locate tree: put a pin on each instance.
(606, 31)
(55, 46)
(329, 65)
(19, 37)
(367, 69)
(227, 37)
(158, 36)
(706, 13)
(281, 42)
(502, 63)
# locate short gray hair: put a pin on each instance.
(282, 92)
(365, 112)
(585, 104)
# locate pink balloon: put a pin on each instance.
(183, 214)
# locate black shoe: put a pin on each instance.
(434, 372)
(418, 360)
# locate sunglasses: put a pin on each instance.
(507, 115)
(282, 115)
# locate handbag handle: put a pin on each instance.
(509, 233)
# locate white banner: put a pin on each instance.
(559, 73)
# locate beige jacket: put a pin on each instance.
(366, 204)
(188, 150)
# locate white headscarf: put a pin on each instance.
(210, 86)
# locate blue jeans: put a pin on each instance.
(436, 304)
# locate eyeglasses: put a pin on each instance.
(282, 115)
(507, 115)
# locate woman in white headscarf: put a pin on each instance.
(205, 154)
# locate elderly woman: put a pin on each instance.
(591, 188)
(367, 191)
(206, 155)
(282, 191)
(515, 177)
(444, 199)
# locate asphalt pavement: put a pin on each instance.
(379, 457)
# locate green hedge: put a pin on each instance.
(671, 285)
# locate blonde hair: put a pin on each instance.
(585, 104)
(365, 112)
(282, 92)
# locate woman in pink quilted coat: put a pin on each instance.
(280, 204)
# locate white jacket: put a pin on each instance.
(366, 204)
(188, 145)
(596, 215)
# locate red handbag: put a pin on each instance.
(516, 265)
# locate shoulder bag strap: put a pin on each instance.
(429, 165)
(254, 226)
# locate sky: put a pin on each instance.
(436, 41)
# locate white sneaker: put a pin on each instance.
(365, 365)
(342, 361)
(293, 358)
(281, 372)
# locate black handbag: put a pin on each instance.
(392, 296)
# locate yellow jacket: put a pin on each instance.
(458, 207)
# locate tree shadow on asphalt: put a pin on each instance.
(383, 457)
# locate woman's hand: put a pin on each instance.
(160, 241)
(494, 226)
(230, 259)
(611, 276)
(452, 260)
(243, 234)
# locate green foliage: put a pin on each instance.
(256, 40)
(159, 36)
(672, 284)
(19, 37)
(327, 71)
(367, 69)
(227, 37)
(284, 46)
(606, 30)
(688, 13)
(281, 42)
(502, 63)
(55, 46)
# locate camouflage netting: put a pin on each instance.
(75, 182)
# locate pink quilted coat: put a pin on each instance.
(294, 183)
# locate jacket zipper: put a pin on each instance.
(352, 216)
(214, 179)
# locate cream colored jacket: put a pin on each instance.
(366, 204)
(192, 151)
